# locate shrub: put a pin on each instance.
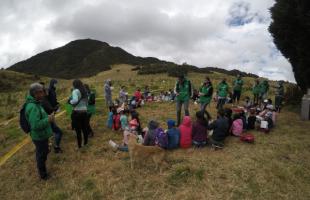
(293, 95)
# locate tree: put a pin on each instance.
(290, 29)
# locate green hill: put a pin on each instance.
(87, 57)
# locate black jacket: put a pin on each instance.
(220, 128)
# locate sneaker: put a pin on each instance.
(217, 146)
(113, 144)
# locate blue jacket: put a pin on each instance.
(173, 138)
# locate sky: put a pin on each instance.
(230, 34)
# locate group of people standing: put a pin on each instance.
(39, 111)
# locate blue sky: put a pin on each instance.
(227, 34)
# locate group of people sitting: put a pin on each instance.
(41, 105)
(202, 131)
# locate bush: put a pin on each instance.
(293, 95)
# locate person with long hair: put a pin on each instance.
(79, 101)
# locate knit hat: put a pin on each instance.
(171, 123)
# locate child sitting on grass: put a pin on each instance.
(186, 133)
(132, 129)
(123, 119)
(199, 131)
(173, 135)
(220, 128)
(237, 126)
(149, 138)
(251, 119)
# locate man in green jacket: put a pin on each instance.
(238, 83)
(183, 90)
(40, 126)
(222, 92)
(264, 88)
(205, 94)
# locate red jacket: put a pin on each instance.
(138, 95)
(186, 133)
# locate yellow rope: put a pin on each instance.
(20, 145)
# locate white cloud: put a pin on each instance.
(228, 34)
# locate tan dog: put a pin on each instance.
(139, 152)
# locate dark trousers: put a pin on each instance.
(89, 129)
(179, 108)
(220, 103)
(236, 96)
(57, 134)
(80, 123)
(278, 103)
(41, 156)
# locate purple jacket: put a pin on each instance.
(199, 131)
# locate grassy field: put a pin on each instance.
(277, 166)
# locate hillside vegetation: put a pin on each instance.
(275, 167)
(87, 57)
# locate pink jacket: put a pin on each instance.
(237, 127)
(186, 133)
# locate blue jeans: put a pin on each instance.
(57, 134)
(199, 144)
(179, 108)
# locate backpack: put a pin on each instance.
(116, 122)
(92, 99)
(247, 138)
(161, 138)
(23, 122)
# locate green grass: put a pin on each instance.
(275, 167)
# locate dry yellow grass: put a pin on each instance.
(277, 166)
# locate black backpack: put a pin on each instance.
(23, 122)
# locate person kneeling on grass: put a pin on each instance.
(173, 134)
(40, 126)
(220, 128)
(199, 131)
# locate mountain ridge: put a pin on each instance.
(87, 57)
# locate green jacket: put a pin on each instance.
(238, 83)
(264, 87)
(184, 90)
(91, 108)
(256, 89)
(38, 120)
(206, 97)
(222, 89)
